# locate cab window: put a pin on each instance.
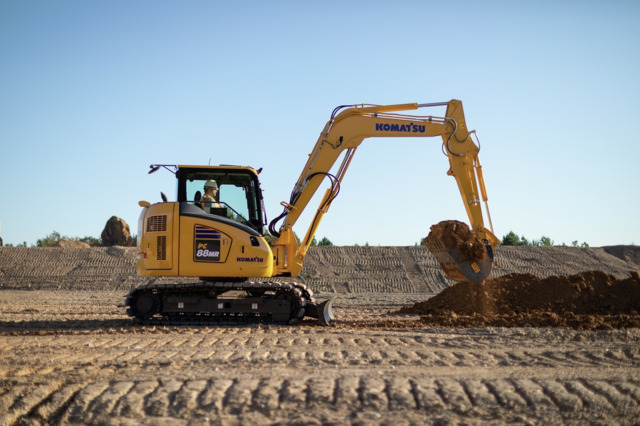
(237, 196)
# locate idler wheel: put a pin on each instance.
(145, 305)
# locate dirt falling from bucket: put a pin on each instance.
(457, 235)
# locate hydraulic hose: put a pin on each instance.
(335, 189)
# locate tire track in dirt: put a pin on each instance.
(200, 398)
(121, 352)
(53, 388)
(31, 390)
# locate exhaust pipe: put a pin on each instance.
(322, 311)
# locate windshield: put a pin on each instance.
(233, 194)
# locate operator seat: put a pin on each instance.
(197, 198)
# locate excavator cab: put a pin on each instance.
(182, 238)
(238, 195)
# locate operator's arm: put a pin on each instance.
(207, 201)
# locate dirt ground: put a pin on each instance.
(70, 354)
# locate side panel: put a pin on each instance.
(157, 253)
(211, 248)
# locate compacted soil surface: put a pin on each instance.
(408, 346)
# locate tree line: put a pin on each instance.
(510, 239)
(55, 237)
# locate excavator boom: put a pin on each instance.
(342, 135)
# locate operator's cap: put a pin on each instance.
(211, 184)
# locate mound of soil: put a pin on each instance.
(588, 300)
(455, 234)
(630, 254)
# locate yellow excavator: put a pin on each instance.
(216, 229)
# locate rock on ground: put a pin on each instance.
(116, 233)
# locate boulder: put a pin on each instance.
(116, 233)
(70, 243)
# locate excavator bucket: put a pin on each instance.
(460, 267)
(322, 311)
(462, 255)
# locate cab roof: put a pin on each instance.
(218, 167)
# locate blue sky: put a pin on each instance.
(92, 92)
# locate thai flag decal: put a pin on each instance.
(206, 244)
(206, 233)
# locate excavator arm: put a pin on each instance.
(342, 134)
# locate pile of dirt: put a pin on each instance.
(588, 300)
(64, 242)
(630, 254)
(457, 235)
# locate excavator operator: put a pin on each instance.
(209, 199)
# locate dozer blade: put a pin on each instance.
(460, 267)
(322, 311)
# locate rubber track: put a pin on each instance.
(299, 291)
